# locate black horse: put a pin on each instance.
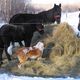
(79, 26)
(49, 16)
(1, 50)
(12, 33)
(79, 23)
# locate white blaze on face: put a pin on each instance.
(40, 46)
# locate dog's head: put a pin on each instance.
(40, 46)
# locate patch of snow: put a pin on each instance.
(72, 19)
(12, 77)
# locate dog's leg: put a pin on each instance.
(19, 65)
(39, 58)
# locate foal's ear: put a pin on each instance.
(60, 5)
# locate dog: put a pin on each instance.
(25, 53)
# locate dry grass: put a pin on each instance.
(61, 53)
(65, 40)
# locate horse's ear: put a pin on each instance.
(54, 5)
(60, 5)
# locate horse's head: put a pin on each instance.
(40, 28)
(57, 13)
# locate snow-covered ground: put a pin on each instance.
(12, 77)
(72, 19)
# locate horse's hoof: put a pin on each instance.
(9, 59)
(1, 64)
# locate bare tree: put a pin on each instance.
(8, 8)
(11, 7)
(17, 6)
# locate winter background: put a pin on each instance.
(72, 19)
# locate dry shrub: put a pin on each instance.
(66, 47)
(60, 40)
(64, 33)
(65, 40)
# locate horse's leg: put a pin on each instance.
(6, 47)
(27, 42)
(20, 43)
(1, 52)
(13, 44)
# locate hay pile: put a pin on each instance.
(65, 40)
(61, 54)
(64, 49)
